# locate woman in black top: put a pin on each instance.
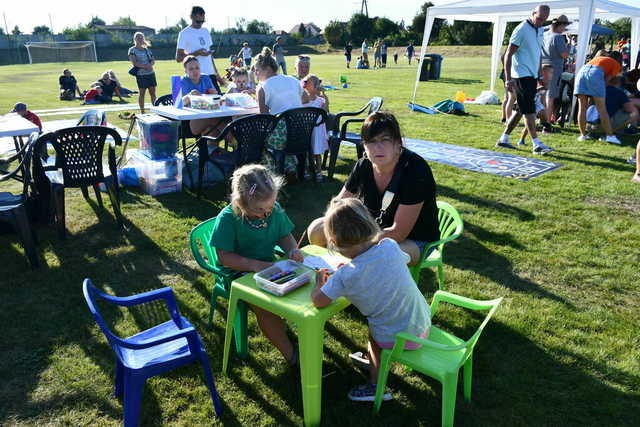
(110, 87)
(411, 217)
(347, 53)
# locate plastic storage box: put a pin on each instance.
(303, 275)
(204, 102)
(158, 136)
(156, 176)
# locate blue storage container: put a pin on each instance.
(158, 136)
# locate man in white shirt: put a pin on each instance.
(365, 53)
(196, 40)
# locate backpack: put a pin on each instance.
(450, 107)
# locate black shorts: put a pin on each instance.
(146, 81)
(348, 55)
(214, 80)
(384, 58)
(526, 94)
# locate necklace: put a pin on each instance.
(257, 223)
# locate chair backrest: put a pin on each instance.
(375, 104)
(199, 238)
(471, 304)
(79, 153)
(90, 296)
(93, 118)
(449, 221)
(251, 134)
(164, 100)
(300, 124)
(24, 167)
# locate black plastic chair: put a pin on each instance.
(300, 123)
(78, 164)
(338, 133)
(12, 206)
(185, 132)
(250, 133)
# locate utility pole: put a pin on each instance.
(51, 26)
(364, 9)
(4, 15)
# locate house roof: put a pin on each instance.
(309, 28)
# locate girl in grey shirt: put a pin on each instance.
(142, 59)
(377, 281)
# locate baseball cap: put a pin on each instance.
(20, 106)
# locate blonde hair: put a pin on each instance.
(145, 42)
(250, 184)
(315, 80)
(112, 76)
(265, 59)
(348, 223)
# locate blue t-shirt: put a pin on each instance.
(187, 85)
(615, 98)
(526, 61)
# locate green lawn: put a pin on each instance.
(563, 249)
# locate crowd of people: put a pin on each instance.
(534, 66)
(380, 54)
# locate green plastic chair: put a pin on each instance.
(200, 238)
(441, 355)
(451, 227)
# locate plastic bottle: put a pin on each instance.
(460, 96)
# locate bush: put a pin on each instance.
(336, 33)
(296, 38)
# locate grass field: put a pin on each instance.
(563, 249)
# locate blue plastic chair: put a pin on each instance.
(151, 352)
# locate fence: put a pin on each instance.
(110, 48)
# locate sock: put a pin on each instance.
(536, 141)
(504, 137)
(521, 141)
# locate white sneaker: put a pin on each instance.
(585, 138)
(612, 139)
(541, 149)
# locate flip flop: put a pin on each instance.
(360, 359)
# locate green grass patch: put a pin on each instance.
(563, 348)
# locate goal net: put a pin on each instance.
(40, 52)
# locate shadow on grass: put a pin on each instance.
(454, 81)
(521, 214)
(617, 164)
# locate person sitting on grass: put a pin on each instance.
(377, 281)
(68, 86)
(95, 95)
(109, 88)
(623, 114)
(21, 109)
(245, 235)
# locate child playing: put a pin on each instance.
(94, 95)
(377, 281)
(68, 86)
(313, 97)
(21, 109)
(240, 82)
(245, 234)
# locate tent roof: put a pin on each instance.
(516, 10)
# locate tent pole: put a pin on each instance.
(428, 25)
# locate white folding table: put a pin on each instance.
(15, 126)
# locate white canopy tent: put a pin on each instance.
(500, 12)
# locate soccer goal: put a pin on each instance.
(40, 52)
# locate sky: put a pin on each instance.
(158, 13)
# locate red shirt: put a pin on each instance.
(91, 94)
(33, 119)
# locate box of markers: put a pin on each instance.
(283, 277)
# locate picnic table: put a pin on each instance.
(15, 126)
(295, 307)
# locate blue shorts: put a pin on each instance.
(590, 81)
(421, 245)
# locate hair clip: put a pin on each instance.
(253, 189)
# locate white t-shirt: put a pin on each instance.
(191, 39)
(282, 93)
(365, 48)
(246, 52)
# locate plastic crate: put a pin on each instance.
(303, 275)
(158, 136)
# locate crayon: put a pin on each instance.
(285, 279)
(279, 275)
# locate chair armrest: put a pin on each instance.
(343, 129)
(188, 333)
(460, 301)
(200, 259)
(435, 244)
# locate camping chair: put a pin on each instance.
(93, 118)
(185, 132)
(451, 226)
(250, 133)
(13, 206)
(338, 133)
(300, 123)
(152, 352)
(78, 164)
(441, 356)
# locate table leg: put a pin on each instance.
(228, 334)
(310, 341)
(19, 143)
